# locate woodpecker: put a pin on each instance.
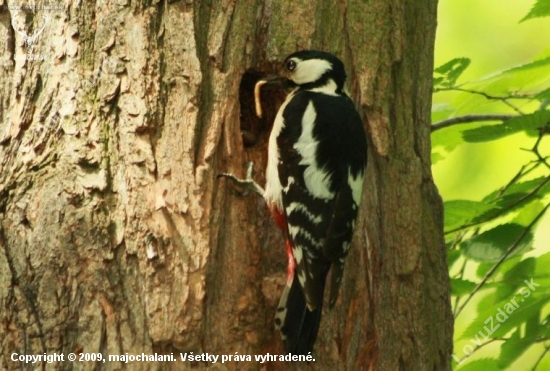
(317, 156)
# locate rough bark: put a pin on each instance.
(115, 234)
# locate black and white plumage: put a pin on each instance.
(314, 179)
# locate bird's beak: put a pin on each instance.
(272, 82)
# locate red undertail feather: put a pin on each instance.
(278, 215)
(291, 263)
(297, 324)
(281, 222)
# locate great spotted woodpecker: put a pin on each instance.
(317, 157)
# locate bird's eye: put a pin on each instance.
(290, 65)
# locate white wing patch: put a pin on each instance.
(316, 179)
(356, 185)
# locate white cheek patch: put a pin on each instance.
(310, 70)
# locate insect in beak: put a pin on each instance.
(269, 82)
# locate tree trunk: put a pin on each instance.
(116, 236)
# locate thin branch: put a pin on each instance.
(484, 94)
(535, 149)
(524, 170)
(460, 275)
(503, 99)
(521, 173)
(495, 97)
(469, 119)
(546, 350)
(502, 211)
(502, 258)
(480, 346)
(489, 342)
(457, 240)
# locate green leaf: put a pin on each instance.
(540, 9)
(527, 203)
(543, 95)
(530, 124)
(447, 139)
(545, 327)
(519, 272)
(523, 80)
(461, 287)
(483, 268)
(450, 72)
(514, 278)
(528, 66)
(486, 133)
(438, 80)
(510, 202)
(505, 266)
(497, 320)
(487, 301)
(461, 212)
(529, 309)
(513, 348)
(484, 364)
(442, 111)
(524, 187)
(436, 157)
(490, 245)
(546, 330)
(452, 256)
(543, 262)
(528, 213)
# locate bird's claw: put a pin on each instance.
(248, 183)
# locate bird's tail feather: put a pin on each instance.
(298, 325)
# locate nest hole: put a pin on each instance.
(255, 130)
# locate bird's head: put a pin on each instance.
(311, 69)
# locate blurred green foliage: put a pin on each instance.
(491, 156)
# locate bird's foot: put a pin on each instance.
(248, 183)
